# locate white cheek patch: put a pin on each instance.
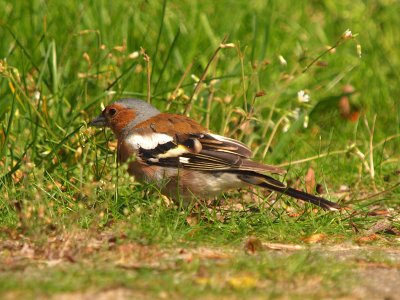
(149, 141)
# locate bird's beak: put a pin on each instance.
(99, 121)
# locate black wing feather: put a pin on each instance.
(207, 152)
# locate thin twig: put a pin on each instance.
(241, 57)
(371, 150)
(203, 76)
(353, 150)
(148, 68)
(210, 97)
(271, 137)
(379, 193)
(345, 36)
(395, 136)
(300, 161)
(175, 92)
(159, 32)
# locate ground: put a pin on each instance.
(229, 249)
(116, 268)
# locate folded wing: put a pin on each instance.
(204, 152)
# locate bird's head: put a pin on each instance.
(124, 114)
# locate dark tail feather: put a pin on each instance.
(319, 201)
(275, 185)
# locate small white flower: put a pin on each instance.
(287, 125)
(195, 78)
(134, 55)
(305, 123)
(296, 113)
(36, 95)
(303, 97)
(282, 61)
(347, 34)
(229, 45)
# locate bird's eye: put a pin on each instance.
(112, 112)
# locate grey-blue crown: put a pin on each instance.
(143, 110)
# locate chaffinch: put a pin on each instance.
(185, 160)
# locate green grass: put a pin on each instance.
(59, 62)
(186, 276)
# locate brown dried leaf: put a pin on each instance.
(348, 89)
(252, 245)
(367, 239)
(192, 219)
(120, 48)
(344, 107)
(322, 63)
(347, 111)
(310, 181)
(261, 93)
(314, 238)
(294, 214)
(379, 212)
(112, 145)
(17, 176)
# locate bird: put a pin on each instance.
(186, 161)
